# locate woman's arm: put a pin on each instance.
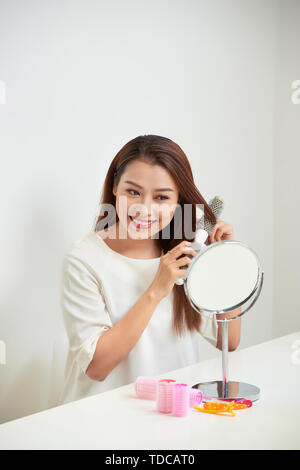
(234, 330)
(116, 343)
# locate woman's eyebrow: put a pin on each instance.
(158, 189)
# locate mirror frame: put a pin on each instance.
(210, 313)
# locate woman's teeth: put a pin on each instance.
(142, 224)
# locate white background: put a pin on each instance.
(83, 78)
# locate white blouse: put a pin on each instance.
(99, 286)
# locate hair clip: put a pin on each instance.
(217, 408)
(241, 400)
(221, 408)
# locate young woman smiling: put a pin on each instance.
(122, 310)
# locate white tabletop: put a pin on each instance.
(117, 419)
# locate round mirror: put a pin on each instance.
(222, 277)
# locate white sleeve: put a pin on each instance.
(84, 310)
(209, 329)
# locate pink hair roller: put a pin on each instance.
(196, 397)
(181, 399)
(146, 387)
(164, 399)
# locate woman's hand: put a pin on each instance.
(221, 231)
(170, 269)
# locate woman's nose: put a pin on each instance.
(147, 208)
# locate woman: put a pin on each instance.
(122, 310)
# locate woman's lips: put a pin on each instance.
(140, 224)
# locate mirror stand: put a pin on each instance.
(224, 388)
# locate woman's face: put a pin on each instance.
(146, 199)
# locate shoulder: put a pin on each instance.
(83, 254)
(81, 244)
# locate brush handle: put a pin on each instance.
(204, 228)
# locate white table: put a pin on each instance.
(117, 419)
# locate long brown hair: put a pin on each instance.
(158, 150)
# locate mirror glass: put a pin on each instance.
(222, 276)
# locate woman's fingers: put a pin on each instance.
(180, 249)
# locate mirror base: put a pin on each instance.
(234, 390)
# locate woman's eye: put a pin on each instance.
(128, 190)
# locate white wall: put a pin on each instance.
(286, 315)
(84, 77)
